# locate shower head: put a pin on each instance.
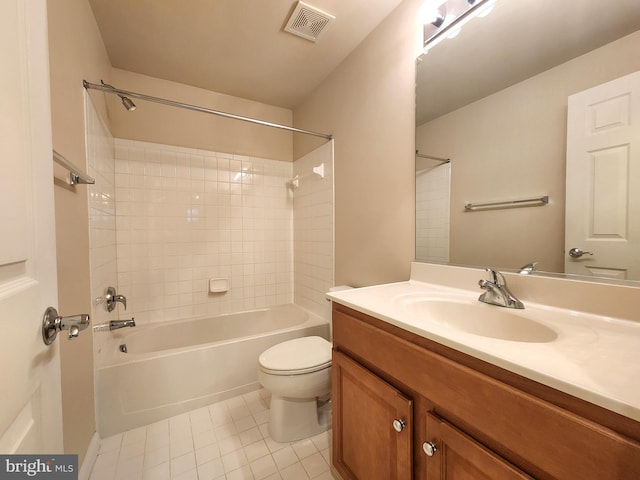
(126, 101)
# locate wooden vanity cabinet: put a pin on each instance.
(483, 421)
(456, 456)
(375, 421)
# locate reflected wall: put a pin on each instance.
(511, 145)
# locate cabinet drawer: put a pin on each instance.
(537, 436)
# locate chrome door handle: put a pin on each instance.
(577, 253)
(52, 323)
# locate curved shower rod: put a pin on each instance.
(172, 103)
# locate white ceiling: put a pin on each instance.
(518, 39)
(235, 47)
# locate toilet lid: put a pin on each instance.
(300, 355)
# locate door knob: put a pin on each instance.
(52, 323)
(398, 425)
(74, 331)
(577, 253)
(429, 448)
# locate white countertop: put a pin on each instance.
(593, 357)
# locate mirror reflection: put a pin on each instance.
(532, 101)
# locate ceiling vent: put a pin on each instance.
(307, 21)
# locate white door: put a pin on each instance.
(30, 401)
(603, 180)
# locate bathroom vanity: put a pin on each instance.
(414, 397)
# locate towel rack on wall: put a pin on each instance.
(527, 202)
(76, 176)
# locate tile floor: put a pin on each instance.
(224, 441)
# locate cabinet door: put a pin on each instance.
(459, 457)
(372, 425)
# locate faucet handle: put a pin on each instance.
(496, 277)
(122, 299)
(528, 268)
(112, 298)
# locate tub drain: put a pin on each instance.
(123, 348)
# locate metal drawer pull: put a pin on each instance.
(398, 425)
(52, 323)
(429, 448)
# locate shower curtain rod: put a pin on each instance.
(172, 103)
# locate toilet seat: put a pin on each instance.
(297, 356)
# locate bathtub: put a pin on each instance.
(174, 367)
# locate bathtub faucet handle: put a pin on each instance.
(122, 299)
(112, 298)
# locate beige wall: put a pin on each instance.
(76, 52)
(367, 103)
(512, 145)
(156, 123)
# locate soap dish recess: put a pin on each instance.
(218, 285)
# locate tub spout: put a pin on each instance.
(116, 324)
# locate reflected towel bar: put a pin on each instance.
(432, 157)
(76, 176)
(528, 202)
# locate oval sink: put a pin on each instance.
(480, 319)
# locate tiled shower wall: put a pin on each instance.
(432, 213)
(185, 216)
(164, 220)
(313, 230)
(102, 215)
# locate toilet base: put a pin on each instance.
(292, 419)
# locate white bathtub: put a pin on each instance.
(175, 367)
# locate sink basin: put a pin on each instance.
(479, 319)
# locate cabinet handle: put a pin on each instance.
(429, 448)
(398, 425)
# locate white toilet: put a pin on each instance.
(297, 373)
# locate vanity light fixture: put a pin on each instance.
(444, 18)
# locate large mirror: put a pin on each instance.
(491, 127)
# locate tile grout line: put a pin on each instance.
(244, 408)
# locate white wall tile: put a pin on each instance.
(432, 213)
(165, 219)
(313, 231)
(187, 215)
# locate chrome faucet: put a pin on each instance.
(116, 324)
(497, 292)
(528, 268)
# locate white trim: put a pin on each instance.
(90, 457)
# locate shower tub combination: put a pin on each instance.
(172, 368)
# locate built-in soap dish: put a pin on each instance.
(218, 285)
